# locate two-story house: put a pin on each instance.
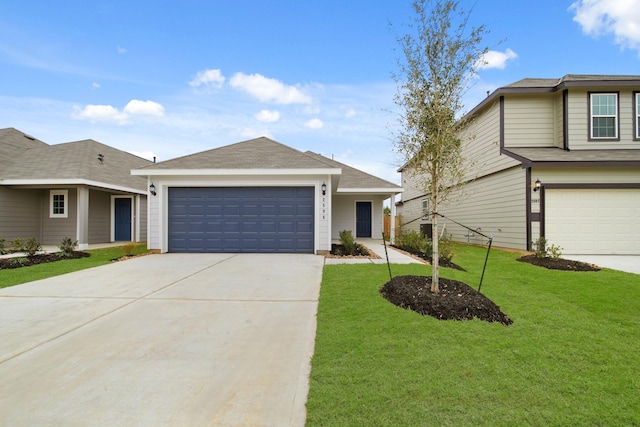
(558, 158)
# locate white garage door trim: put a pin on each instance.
(593, 221)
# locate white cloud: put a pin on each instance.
(95, 85)
(144, 108)
(314, 124)
(348, 112)
(101, 113)
(122, 50)
(268, 116)
(268, 90)
(110, 114)
(495, 59)
(212, 79)
(618, 17)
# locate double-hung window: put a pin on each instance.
(425, 209)
(58, 203)
(603, 115)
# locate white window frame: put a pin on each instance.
(615, 116)
(425, 212)
(65, 206)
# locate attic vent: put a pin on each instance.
(28, 137)
(101, 158)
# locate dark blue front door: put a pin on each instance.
(363, 219)
(241, 219)
(122, 212)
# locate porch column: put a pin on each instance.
(392, 222)
(82, 220)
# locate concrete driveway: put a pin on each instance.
(172, 339)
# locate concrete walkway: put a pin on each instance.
(627, 263)
(162, 340)
(377, 246)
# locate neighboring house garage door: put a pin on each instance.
(593, 221)
(245, 219)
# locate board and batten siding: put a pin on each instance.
(143, 218)
(578, 112)
(55, 229)
(532, 120)
(20, 212)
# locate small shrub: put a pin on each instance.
(67, 247)
(128, 248)
(2, 248)
(346, 240)
(540, 247)
(32, 246)
(19, 261)
(17, 244)
(555, 251)
(413, 242)
(445, 248)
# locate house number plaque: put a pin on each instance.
(324, 205)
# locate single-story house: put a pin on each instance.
(552, 158)
(83, 190)
(260, 196)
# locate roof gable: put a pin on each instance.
(259, 153)
(78, 161)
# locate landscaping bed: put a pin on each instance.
(558, 264)
(26, 261)
(455, 301)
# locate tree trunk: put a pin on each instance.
(435, 257)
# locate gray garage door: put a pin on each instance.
(245, 219)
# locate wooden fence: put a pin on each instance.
(387, 226)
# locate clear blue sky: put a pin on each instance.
(170, 78)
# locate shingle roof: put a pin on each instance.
(355, 178)
(573, 79)
(77, 161)
(549, 156)
(13, 143)
(259, 153)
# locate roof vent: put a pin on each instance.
(101, 158)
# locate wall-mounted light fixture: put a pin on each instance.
(324, 188)
(537, 185)
(152, 189)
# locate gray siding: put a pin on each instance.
(530, 120)
(55, 229)
(343, 214)
(20, 212)
(99, 217)
(578, 111)
(143, 218)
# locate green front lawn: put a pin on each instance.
(16, 276)
(572, 356)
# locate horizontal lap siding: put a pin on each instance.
(20, 212)
(99, 217)
(496, 205)
(531, 121)
(55, 229)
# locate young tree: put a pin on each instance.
(440, 57)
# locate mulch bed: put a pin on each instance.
(6, 263)
(429, 259)
(338, 251)
(455, 301)
(558, 264)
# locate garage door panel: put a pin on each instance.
(257, 219)
(593, 221)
